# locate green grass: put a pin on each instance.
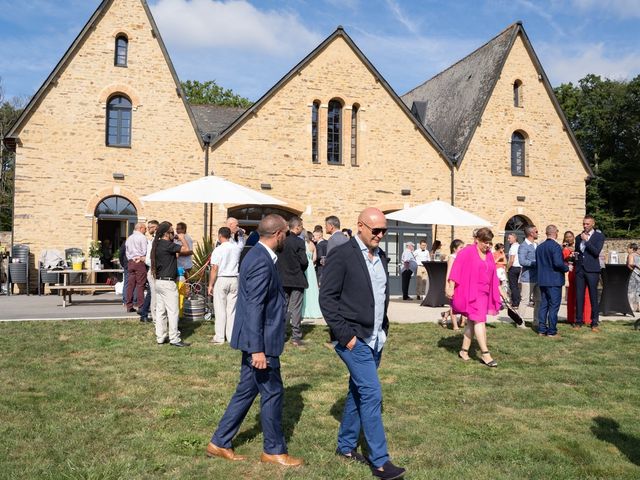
(99, 400)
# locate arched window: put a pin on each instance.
(314, 131)
(119, 121)
(334, 133)
(354, 136)
(122, 47)
(115, 206)
(517, 93)
(517, 154)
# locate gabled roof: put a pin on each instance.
(339, 32)
(69, 54)
(214, 119)
(457, 97)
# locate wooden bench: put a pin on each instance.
(68, 290)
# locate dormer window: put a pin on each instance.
(122, 47)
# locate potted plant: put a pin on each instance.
(95, 252)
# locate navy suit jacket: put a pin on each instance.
(259, 324)
(346, 294)
(551, 266)
(589, 260)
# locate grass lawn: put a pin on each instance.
(99, 400)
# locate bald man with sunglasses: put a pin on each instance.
(354, 297)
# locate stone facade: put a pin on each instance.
(273, 145)
(554, 183)
(63, 167)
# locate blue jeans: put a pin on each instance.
(550, 298)
(363, 408)
(268, 383)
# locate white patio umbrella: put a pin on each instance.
(212, 189)
(438, 213)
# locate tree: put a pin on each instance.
(9, 113)
(605, 117)
(210, 93)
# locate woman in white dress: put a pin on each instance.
(310, 303)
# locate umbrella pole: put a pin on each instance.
(435, 234)
(210, 221)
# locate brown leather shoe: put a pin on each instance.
(282, 459)
(226, 453)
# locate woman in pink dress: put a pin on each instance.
(473, 287)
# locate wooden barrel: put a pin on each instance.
(194, 308)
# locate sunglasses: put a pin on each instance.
(376, 231)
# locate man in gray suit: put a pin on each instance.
(332, 226)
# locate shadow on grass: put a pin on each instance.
(306, 330)
(187, 328)
(293, 406)
(608, 430)
(452, 344)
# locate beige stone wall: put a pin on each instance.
(554, 185)
(274, 146)
(63, 167)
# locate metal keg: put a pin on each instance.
(193, 308)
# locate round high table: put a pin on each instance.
(615, 282)
(435, 296)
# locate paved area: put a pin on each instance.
(107, 305)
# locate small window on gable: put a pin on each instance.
(354, 136)
(119, 122)
(315, 109)
(122, 47)
(334, 133)
(517, 93)
(518, 159)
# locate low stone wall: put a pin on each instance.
(618, 245)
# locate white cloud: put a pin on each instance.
(401, 16)
(571, 65)
(620, 8)
(234, 24)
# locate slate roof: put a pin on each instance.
(457, 96)
(452, 103)
(214, 119)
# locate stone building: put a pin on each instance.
(110, 125)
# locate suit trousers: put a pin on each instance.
(406, 280)
(363, 407)
(586, 280)
(550, 298)
(294, 298)
(421, 281)
(137, 279)
(149, 306)
(167, 311)
(225, 294)
(529, 292)
(268, 383)
(513, 275)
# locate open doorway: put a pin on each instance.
(116, 218)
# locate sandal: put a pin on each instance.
(492, 363)
(466, 353)
(443, 319)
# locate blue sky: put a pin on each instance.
(248, 45)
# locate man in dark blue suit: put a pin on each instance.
(259, 332)
(588, 247)
(354, 297)
(551, 270)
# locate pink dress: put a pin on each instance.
(476, 292)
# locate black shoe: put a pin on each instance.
(180, 344)
(145, 319)
(131, 310)
(353, 456)
(418, 297)
(389, 471)
(407, 298)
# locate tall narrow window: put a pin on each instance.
(354, 136)
(334, 132)
(119, 122)
(314, 131)
(122, 47)
(517, 154)
(517, 93)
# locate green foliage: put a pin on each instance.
(605, 117)
(201, 256)
(210, 93)
(95, 249)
